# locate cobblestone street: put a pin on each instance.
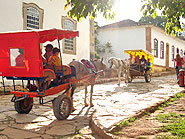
(112, 104)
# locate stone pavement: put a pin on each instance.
(112, 104)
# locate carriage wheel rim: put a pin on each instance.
(27, 103)
(64, 107)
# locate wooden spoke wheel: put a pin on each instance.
(62, 107)
(23, 106)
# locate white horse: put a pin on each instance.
(121, 66)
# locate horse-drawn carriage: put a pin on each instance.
(32, 73)
(137, 69)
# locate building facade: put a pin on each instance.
(34, 14)
(128, 35)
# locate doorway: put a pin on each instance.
(167, 56)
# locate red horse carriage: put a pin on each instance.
(27, 43)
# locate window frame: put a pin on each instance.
(41, 14)
(156, 48)
(162, 50)
(67, 51)
(13, 58)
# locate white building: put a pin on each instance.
(43, 14)
(128, 35)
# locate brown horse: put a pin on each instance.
(80, 71)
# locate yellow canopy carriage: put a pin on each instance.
(136, 69)
(140, 52)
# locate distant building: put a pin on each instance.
(128, 35)
(33, 14)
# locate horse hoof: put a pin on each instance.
(86, 105)
(92, 105)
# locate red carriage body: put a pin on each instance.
(29, 42)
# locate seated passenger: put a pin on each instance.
(56, 65)
(137, 59)
(55, 60)
(142, 63)
(148, 65)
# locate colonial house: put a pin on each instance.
(128, 35)
(19, 15)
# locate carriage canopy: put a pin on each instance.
(20, 53)
(139, 53)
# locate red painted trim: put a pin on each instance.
(53, 90)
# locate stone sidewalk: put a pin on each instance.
(112, 104)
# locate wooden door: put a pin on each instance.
(167, 55)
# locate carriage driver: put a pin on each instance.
(48, 49)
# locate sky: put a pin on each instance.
(125, 9)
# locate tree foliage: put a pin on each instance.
(83, 8)
(172, 9)
(158, 21)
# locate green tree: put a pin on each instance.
(172, 9)
(158, 21)
(83, 8)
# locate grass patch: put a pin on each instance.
(176, 128)
(124, 123)
(176, 122)
(169, 118)
(171, 100)
(164, 118)
(176, 125)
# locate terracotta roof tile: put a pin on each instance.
(123, 23)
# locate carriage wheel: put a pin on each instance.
(147, 77)
(23, 106)
(62, 107)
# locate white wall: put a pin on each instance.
(160, 36)
(83, 43)
(12, 20)
(122, 39)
